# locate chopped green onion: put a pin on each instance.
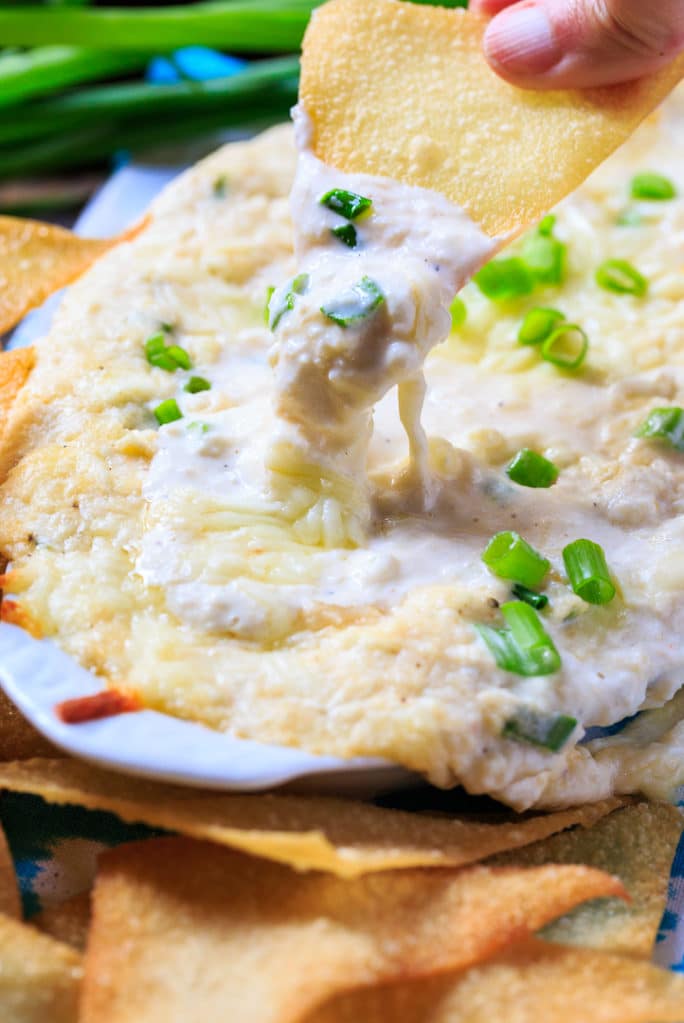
(197, 426)
(665, 424)
(524, 648)
(362, 300)
(508, 556)
(550, 732)
(585, 564)
(538, 324)
(536, 600)
(285, 299)
(546, 225)
(530, 469)
(648, 185)
(545, 257)
(346, 234)
(566, 346)
(269, 295)
(347, 204)
(197, 384)
(621, 277)
(220, 187)
(629, 218)
(458, 313)
(168, 412)
(503, 279)
(168, 357)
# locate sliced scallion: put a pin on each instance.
(168, 357)
(530, 469)
(348, 204)
(504, 279)
(458, 313)
(179, 356)
(546, 731)
(167, 412)
(269, 295)
(355, 305)
(197, 384)
(566, 346)
(621, 277)
(508, 556)
(282, 300)
(538, 324)
(585, 564)
(629, 218)
(346, 233)
(536, 600)
(546, 224)
(666, 424)
(544, 256)
(649, 185)
(524, 648)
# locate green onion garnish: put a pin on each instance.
(621, 277)
(585, 564)
(510, 557)
(197, 384)
(347, 204)
(545, 257)
(286, 299)
(197, 426)
(530, 469)
(357, 304)
(269, 295)
(346, 234)
(665, 424)
(503, 279)
(648, 185)
(536, 600)
(629, 218)
(550, 732)
(458, 313)
(538, 324)
(524, 648)
(566, 346)
(168, 412)
(168, 357)
(546, 224)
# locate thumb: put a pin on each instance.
(552, 44)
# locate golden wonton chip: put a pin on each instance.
(15, 367)
(67, 921)
(345, 837)
(19, 740)
(39, 977)
(186, 930)
(530, 983)
(403, 90)
(637, 845)
(36, 260)
(10, 904)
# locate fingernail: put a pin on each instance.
(520, 39)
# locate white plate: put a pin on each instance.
(37, 675)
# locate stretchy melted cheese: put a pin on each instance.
(278, 563)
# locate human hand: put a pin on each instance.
(552, 44)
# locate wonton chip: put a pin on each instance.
(528, 983)
(10, 904)
(36, 260)
(403, 90)
(185, 930)
(67, 921)
(39, 977)
(15, 367)
(345, 837)
(637, 845)
(19, 740)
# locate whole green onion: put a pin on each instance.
(348, 204)
(666, 424)
(546, 731)
(530, 469)
(649, 185)
(566, 346)
(621, 277)
(538, 324)
(356, 305)
(197, 384)
(536, 600)
(585, 564)
(508, 556)
(167, 412)
(504, 279)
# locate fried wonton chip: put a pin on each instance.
(345, 837)
(10, 904)
(528, 983)
(186, 930)
(637, 845)
(39, 977)
(19, 740)
(67, 921)
(403, 90)
(15, 367)
(38, 259)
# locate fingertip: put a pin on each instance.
(520, 41)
